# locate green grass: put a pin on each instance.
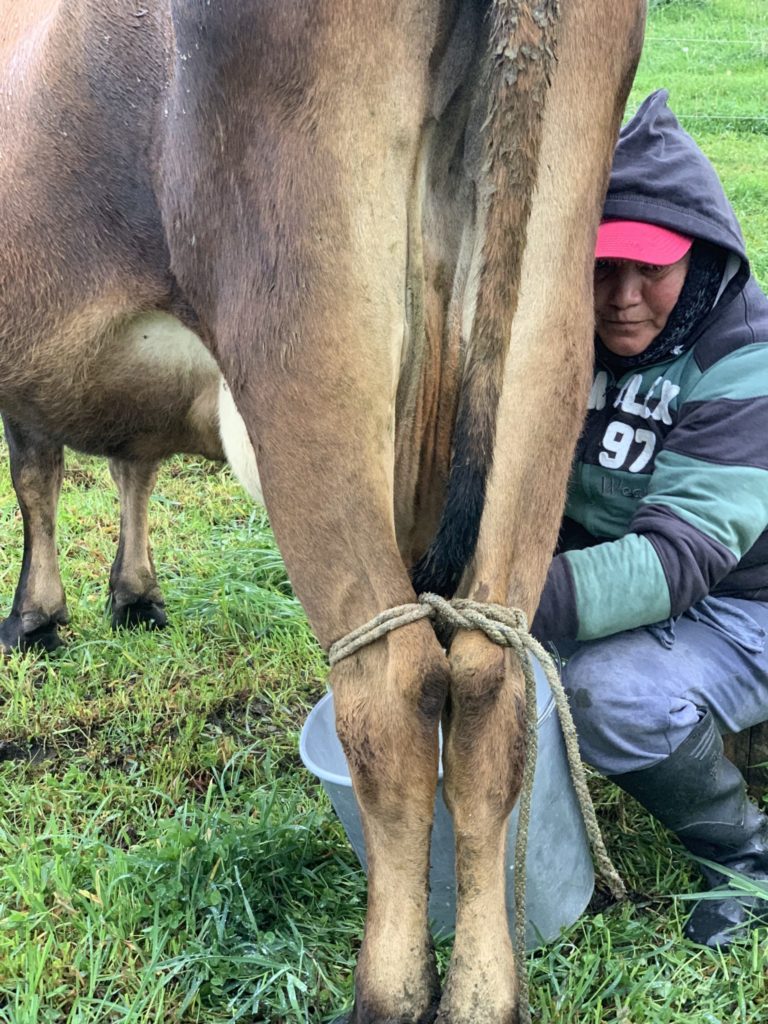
(166, 858)
(163, 855)
(712, 56)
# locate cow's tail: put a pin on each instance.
(516, 77)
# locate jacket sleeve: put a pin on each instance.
(707, 503)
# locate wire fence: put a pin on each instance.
(708, 75)
(733, 41)
(743, 124)
(712, 55)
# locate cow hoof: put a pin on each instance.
(478, 1018)
(31, 631)
(130, 611)
(362, 1014)
(479, 1014)
(353, 1018)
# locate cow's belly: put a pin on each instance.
(143, 388)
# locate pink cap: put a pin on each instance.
(637, 240)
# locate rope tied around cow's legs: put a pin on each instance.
(508, 628)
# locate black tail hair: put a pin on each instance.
(516, 76)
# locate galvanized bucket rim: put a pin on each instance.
(344, 780)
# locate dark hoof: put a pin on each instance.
(31, 631)
(350, 1018)
(369, 1016)
(130, 611)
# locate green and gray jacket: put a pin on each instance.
(668, 499)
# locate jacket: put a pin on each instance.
(668, 497)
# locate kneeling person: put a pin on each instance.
(660, 586)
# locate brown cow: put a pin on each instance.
(175, 410)
(354, 205)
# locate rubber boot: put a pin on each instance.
(698, 794)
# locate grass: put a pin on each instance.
(163, 855)
(712, 55)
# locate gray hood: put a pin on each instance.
(661, 176)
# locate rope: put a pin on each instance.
(508, 628)
(384, 623)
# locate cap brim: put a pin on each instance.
(640, 241)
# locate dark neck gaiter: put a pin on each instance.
(697, 297)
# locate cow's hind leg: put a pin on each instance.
(134, 596)
(309, 325)
(388, 704)
(483, 756)
(327, 483)
(336, 531)
(541, 408)
(39, 605)
(325, 457)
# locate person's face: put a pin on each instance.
(633, 301)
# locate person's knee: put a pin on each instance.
(599, 719)
(626, 709)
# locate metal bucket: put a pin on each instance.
(560, 877)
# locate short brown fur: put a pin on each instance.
(322, 193)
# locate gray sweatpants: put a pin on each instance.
(635, 696)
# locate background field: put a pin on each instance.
(163, 855)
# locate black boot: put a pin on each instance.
(698, 794)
